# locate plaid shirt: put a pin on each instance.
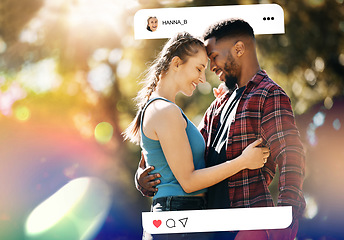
(264, 111)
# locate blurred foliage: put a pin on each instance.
(61, 66)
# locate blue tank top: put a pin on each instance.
(154, 156)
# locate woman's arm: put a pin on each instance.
(170, 129)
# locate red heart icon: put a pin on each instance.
(157, 223)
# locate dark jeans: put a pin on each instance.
(175, 203)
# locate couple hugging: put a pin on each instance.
(230, 159)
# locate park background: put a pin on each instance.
(69, 70)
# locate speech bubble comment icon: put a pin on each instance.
(75, 212)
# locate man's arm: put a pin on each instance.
(145, 182)
(282, 135)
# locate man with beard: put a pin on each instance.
(254, 107)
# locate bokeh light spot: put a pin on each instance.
(3, 46)
(115, 55)
(300, 107)
(101, 54)
(319, 119)
(101, 78)
(341, 59)
(297, 88)
(310, 77)
(312, 138)
(316, 3)
(40, 77)
(283, 41)
(22, 113)
(28, 35)
(82, 123)
(336, 124)
(341, 25)
(328, 103)
(311, 209)
(204, 88)
(319, 64)
(103, 132)
(9, 97)
(123, 68)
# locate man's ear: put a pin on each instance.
(175, 63)
(239, 48)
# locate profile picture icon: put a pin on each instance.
(152, 24)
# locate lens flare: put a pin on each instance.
(311, 207)
(103, 132)
(76, 211)
(22, 113)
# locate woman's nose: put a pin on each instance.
(202, 78)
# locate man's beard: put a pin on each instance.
(231, 82)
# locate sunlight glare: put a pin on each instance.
(48, 213)
(75, 212)
(9, 97)
(40, 77)
(101, 12)
(311, 207)
(101, 78)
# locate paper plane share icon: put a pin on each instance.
(183, 221)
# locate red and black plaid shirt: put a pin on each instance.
(263, 111)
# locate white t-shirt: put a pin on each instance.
(224, 134)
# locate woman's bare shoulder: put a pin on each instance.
(163, 112)
(161, 108)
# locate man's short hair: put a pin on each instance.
(229, 28)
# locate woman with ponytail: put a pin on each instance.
(170, 141)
